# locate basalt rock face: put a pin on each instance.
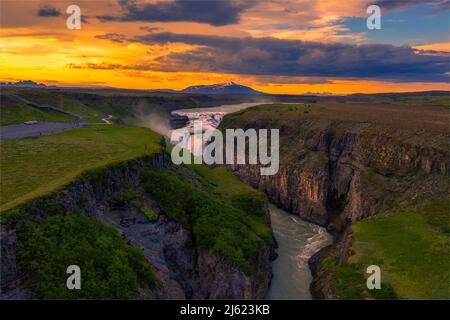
(337, 174)
(330, 183)
(184, 270)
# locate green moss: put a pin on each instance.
(373, 180)
(150, 214)
(126, 197)
(348, 281)
(110, 269)
(386, 292)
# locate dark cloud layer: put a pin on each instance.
(114, 37)
(270, 56)
(439, 5)
(218, 12)
(47, 11)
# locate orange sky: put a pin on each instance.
(42, 49)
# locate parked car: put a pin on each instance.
(31, 122)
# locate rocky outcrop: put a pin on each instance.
(341, 174)
(184, 271)
(327, 185)
(340, 251)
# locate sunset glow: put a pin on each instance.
(117, 53)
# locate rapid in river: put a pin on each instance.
(297, 241)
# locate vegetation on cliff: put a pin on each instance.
(221, 213)
(111, 269)
(216, 222)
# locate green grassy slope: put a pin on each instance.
(53, 98)
(16, 112)
(34, 166)
(411, 247)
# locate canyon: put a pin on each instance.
(340, 163)
(183, 269)
(335, 172)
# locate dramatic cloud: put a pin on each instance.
(439, 5)
(110, 66)
(47, 11)
(279, 57)
(284, 46)
(218, 12)
(114, 37)
(149, 29)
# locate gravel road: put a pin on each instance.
(34, 130)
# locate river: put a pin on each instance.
(297, 240)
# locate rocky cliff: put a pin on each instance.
(339, 180)
(184, 270)
(334, 173)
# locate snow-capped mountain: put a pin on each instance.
(221, 88)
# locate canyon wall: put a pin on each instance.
(184, 270)
(338, 180)
(335, 179)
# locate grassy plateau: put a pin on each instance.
(32, 167)
(16, 112)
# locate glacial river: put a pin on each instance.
(297, 240)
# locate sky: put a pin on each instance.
(275, 46)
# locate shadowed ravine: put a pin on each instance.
(297, 239)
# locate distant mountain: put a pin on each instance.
(221, 88)
(322, 94)
(23, 83)
(163, 90)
